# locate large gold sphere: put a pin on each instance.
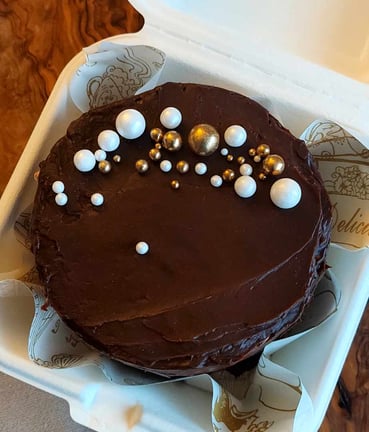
(203, 139)
(273, 164)
(172, 141)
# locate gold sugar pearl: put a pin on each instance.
(158, 146)
(142, 166)
(174, 184)
(229, 158)
(36, 175)
(257, 158)
(262, 176)
(263, 150)
(203, 139)
(172, 141)
(156, 134)
(154, 154)
(104, 166)
(273, 164)
(228, 175)
(117, 158)
(241, 160)
(252, 152)
(182, 166)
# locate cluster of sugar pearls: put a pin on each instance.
(130, 124)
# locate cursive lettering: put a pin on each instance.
(355, 224)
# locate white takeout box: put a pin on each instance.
(302, 60)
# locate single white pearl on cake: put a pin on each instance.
(142, 248)
(245, 186)
(130, 123)
(100, 155)
(108, 140)
(246, 169)
(224, 151)
(61, 199)
(201, 168)
(235, 136)
(97, 199)
(165, 165)
(58, 186)
(285, 193)
(84, 160)
(216, 180)
(170, 117)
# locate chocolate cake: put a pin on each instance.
(167, 265)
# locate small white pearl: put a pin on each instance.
(58, 186)
(84, 160)
(108, 140)
(97, 199)
(130, 124)
(245, 186)
(224, 151)
(245, 169)
(142, 248)
(165, 165)
(201, 168)
(100, 155)
(235, 136)
(170, 117)
(216, 180)
(61, 199)
(285, 193)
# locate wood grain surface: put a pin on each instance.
(37, 39)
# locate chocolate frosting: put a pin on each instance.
(223, 276)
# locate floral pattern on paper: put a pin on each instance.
(349, 180)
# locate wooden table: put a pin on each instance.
(37, 39)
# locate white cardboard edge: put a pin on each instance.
(343, 99)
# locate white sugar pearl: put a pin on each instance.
(216, 180)
(100, 155)
(61, 199)
(285, 193)
(201, 168)
(130, 124)
(97, 199)
(235, 136)
(108, 140)
(84, 160)
(224, 151)
(142, 248)
(170, 117)
(245, 169)
(58, 186)
(245, 186)
(165, 165)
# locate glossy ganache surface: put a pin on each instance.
(223, 276)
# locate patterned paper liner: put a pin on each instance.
(269, 397)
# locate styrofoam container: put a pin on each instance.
(298, 60)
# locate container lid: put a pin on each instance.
(322, 47)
